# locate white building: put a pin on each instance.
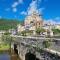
(12, 31)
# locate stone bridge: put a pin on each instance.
(24, 45)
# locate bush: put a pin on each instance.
(46, 44)
(56, 31)
(39, 30)
(7, 33)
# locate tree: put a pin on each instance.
(7, 33)
(40, 30)
(6, 39)
(6, 24)
(56, 31)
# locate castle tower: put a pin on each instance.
(34, 19)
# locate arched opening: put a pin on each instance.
(30, 56)
(15, 49)
(37, 59)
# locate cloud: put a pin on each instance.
(33, 7)
(20, 1)
(40, 11)
(53, 21)
(23, 13)
(15, 4)
(14, 9)
(57, 18)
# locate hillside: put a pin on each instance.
(6, 24)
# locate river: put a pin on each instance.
(9, 56)
(5, 56)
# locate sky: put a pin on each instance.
(19, 9)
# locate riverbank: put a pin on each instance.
(4, 51)
(4, 46)
(14, 56)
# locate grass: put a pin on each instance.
(4, 47)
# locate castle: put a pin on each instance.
(31, 23)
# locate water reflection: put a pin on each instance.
(9, 55)
(5, 57)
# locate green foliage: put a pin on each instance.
(7, 33)
(6, 39)
(6, 24)
(5, 43)
(56, 31)
(46, 44)
(4, 47)
(39, 30)
(41, 51)
(23, 33)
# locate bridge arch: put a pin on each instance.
(30, 56)
(16, 49)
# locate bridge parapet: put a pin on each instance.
(26, 44)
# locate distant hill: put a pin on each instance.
(6, 24)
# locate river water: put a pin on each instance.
(9, 56)
(5, 57)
